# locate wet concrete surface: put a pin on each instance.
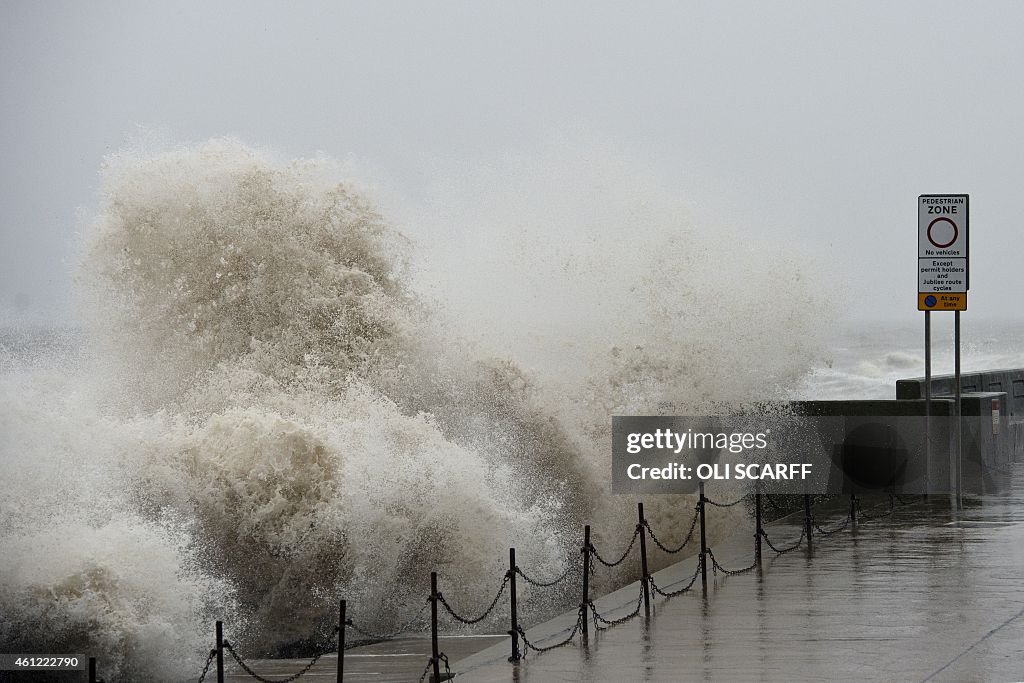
(396, 661)
(928, 593)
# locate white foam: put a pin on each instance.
(271, 413)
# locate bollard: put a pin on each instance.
(586, 579)
(703, 543)
(433, 627)
(92, 670)
(341, 642)
(758, 529)
(807, 518)
(220, 652)
(512, 605)
(645, 577)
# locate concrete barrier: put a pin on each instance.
(904, 422)
(1010, 381)
(896, 444)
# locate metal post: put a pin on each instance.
(586, 579)
(220, 652)
(341, 642)
(853, 509)
(758, 529)
(642, 528)
(807, 518)
(436, 660)
(956, 382)
(512, 605)
(927, 399)
(92, 670)
(703, 543)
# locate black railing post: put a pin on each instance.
(703, 542)
(808, 520)
(641, 527)
(220, 652)
(512, 605)
(585, 605)
(758, 528)
(341, 642)
(436, 659)
(92, 670)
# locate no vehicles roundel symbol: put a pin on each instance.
(942, 235)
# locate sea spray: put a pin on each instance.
(259, 312)
(265, 394)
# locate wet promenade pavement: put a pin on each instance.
(928, 593)
(396, 661)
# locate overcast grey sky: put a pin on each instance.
(812, 122)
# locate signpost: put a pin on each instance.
(943, 278)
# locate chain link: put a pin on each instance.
(545, 584)
(206, 669)
(388, 636)
(466, 620)
(565, 641)
(791, 548)
(829, 532)
(632, 542)
(671, 594)
(716, 567)
(245, 667)
(867, 518)
(598, 619)
(689, 534)
(726, 505)
(430, 665)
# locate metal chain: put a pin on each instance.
(784, 550)
(632, 542)
(561, 643)
(430, 665)
(393, 634)
(490, 608)
(598, 619)
(867, 518)
(726, 505)
(829, 532)
(206, 669)
(544, 584)
(688, 586)
(716, 567)
(245, 667)
(689, 534)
